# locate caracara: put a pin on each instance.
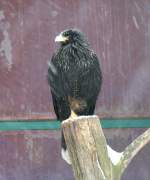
(75, 78)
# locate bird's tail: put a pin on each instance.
(64, 150)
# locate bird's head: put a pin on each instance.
(71, 36)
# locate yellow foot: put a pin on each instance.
(73, 114)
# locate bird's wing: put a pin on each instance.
(91, 79)
(55, 78)
(60, 100)
(61, 107)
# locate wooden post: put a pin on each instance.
(91, 157)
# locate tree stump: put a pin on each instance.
(91, 157)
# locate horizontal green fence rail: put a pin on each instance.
(54, 125)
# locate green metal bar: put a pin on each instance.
(29, 125)
(126, 123)
(54, 125)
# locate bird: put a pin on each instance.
(75, 79)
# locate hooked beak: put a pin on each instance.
(61, 38)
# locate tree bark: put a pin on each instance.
(91, 157)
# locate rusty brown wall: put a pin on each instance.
(36, 155)
(119, 32)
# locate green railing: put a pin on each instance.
(54, 125)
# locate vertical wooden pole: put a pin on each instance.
(91, 157)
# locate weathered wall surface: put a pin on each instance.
(119, 32)
(36, 155)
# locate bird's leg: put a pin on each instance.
(73, 114)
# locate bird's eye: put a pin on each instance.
(65, 34)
